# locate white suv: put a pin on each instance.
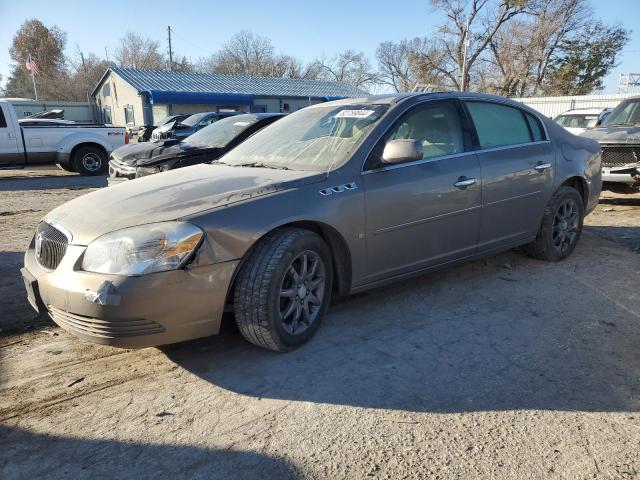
(578, 120)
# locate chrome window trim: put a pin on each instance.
(479, 150)
(520, 106)
(444, 157)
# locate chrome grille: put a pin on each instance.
(51, 245)
(619, 155)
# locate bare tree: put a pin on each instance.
(521, 53)
(474, 22)
(397, 63)
(249, 54)
(141, 53)
(349, 67)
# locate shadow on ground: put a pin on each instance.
(15, 312)
(476, 338)
(51, 183)
(28, 455)
(627, 236)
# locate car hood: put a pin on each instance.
(618, 135)
(137, 154)
(169, 196)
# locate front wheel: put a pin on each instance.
(283, 289)
(90, 161)
(561, 226)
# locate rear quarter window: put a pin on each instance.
(500, 125)
(3, 122)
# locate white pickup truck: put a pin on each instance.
(77, 148)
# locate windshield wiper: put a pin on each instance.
(262, 165)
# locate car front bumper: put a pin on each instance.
(627, 175)
(129, 312)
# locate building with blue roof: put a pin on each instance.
(131, 97)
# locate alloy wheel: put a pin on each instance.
(566, 223)
(301, 292)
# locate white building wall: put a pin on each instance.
(552, 106)
(120, 95)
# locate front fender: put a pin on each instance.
(232, 231)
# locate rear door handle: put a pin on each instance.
(464, 182)
(541, 167)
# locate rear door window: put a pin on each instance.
(3, 122)
(500, 125)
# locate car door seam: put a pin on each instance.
(424, 220)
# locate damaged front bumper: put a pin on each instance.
(130, 312)
(629, 175)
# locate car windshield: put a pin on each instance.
(573, 120)
(627, 113)
(193, 119)
(164, 120)
(314, 138)
(220, 133)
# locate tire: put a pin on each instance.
(272, 309)
(90, 161)
(67, 167)
(561, 227)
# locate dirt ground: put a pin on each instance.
(502, 368)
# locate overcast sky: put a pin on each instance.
(300, 28)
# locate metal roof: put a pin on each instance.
(165, 81)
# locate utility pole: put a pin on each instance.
(170, 51)
(465, 40)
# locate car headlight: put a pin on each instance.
(144, 171)
(155, 247)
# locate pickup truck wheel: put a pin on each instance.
(90, 161)
(561, 227)
(283, 289)
(67, 167)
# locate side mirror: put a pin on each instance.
(399, 151)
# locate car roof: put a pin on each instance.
(577, 111)
(396, 98)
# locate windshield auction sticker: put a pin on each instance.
(354, 113)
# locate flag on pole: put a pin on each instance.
(32, 66)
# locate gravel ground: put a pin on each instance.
(502, 368)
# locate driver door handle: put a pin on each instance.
(464, 182)
(541, 167)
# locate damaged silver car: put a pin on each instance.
(334, 199)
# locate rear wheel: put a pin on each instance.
(90, 161)
(283, 289)
(561, 227)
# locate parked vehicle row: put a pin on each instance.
(333, 199)
(80, 148)
(181, 129)
(145, 131)
(138, 160)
